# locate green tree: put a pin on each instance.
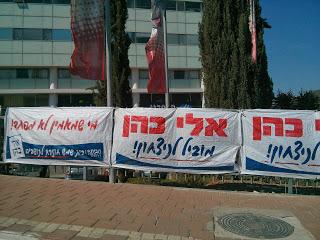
(120, 43)
(284, 100)
(230, 77)
(307, 101)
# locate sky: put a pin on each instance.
(293, 43)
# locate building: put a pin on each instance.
(36, 45)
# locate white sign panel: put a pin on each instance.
(58, 136)
(281, 143)
(181, 140)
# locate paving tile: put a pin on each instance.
(19, 228)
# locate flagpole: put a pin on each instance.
(108, 70)
(164, 21)
(108, 52)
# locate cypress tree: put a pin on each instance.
(230, 77)
(120, 43)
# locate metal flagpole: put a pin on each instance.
(108, 69)
(164, 22)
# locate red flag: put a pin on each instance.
(88, 31)
(155, 52)
(252, 27)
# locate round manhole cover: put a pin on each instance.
(255, 226)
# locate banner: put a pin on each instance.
(281, 143)
(155, 51)
(200, 141)
(58, 136)
(88, 34)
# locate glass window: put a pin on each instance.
(182, 39)
(132, 36)
(41, 83)
(6, 33)
(40, 73)
(143, 78)
(7, 73)
(61, 35)
(143, 74)
(192, 39)
(143, 4)
(22, 73)
(74, 100)
(171, 5)
(130, 3)
(173, 38)
(152, 100)
(180, 6)
(17, 34)
(179, 74)
(64, 73)
(193, 6)
(142, 37)
(61, 1)
(32, 34)
(47, 34)
(33, 1)
(194, 74)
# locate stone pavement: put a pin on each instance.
(35, 208)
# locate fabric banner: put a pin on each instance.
(281, 143)
(58, 136)
(200, 141)
(88, 32)
(155, 51)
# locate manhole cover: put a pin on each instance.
(255, 226)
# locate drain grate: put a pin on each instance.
(255, 225)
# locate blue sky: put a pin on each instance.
(293, 43)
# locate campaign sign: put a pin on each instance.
(58, 136)
(202, 141)
(281, 143)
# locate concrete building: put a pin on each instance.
(36, 45)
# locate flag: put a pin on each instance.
(155, 51)
(88, 32)
(252, 27)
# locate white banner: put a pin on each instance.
(202, 141)
(58, 136)
(281, 143)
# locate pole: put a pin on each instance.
(164, 22)
(108, 69)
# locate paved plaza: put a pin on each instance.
(35, 208)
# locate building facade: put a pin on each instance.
(36, 45)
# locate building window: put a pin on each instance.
(32, 34)
(22, 73)
(17, 34)
(75, 100)
(180, 6)
(7, 73)
(171, 5)
(192, 39)
(142, 37)
(178, 74)
(143, 4)
(152, 100)
(61, 35)
(40, 73)
(63, 73)
(5, 33)
(61, 1)
(130, 3)
(132, 36)
(143, 78)
(193, 6)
